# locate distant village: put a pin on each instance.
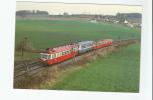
(126, 19)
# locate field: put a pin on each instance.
(118, 72)
(51, 33)
(43, 34)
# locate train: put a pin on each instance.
(63, 53)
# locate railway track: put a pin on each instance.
(33, 67)
(27, 68)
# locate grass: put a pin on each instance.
(50, 33)
(118, 72)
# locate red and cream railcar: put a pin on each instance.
(59, 54)
(103, 43)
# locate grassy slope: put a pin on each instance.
(117, 72)
(45, 34)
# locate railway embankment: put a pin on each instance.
(32, 74)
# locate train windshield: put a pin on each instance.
(44, 56)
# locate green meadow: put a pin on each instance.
(118, 72)
(52, 33)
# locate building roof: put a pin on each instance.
(125, 21)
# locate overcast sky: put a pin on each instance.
(59, 8)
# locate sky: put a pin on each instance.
(60, 8)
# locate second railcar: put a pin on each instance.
(85, 46)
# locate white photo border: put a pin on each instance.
(7, 36)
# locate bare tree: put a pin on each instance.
(24, 45)
(65, 13)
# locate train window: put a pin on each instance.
(63, 53)
(83, 46)
(60, 53)
(49, 56)
(44, 56)
(89, 45)
(71, 50)
(75, 49)
(54, 55)
(68, 51)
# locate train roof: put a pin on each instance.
(85, 42)
(105, 40)
(61, 48)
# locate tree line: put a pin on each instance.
(24, 13)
